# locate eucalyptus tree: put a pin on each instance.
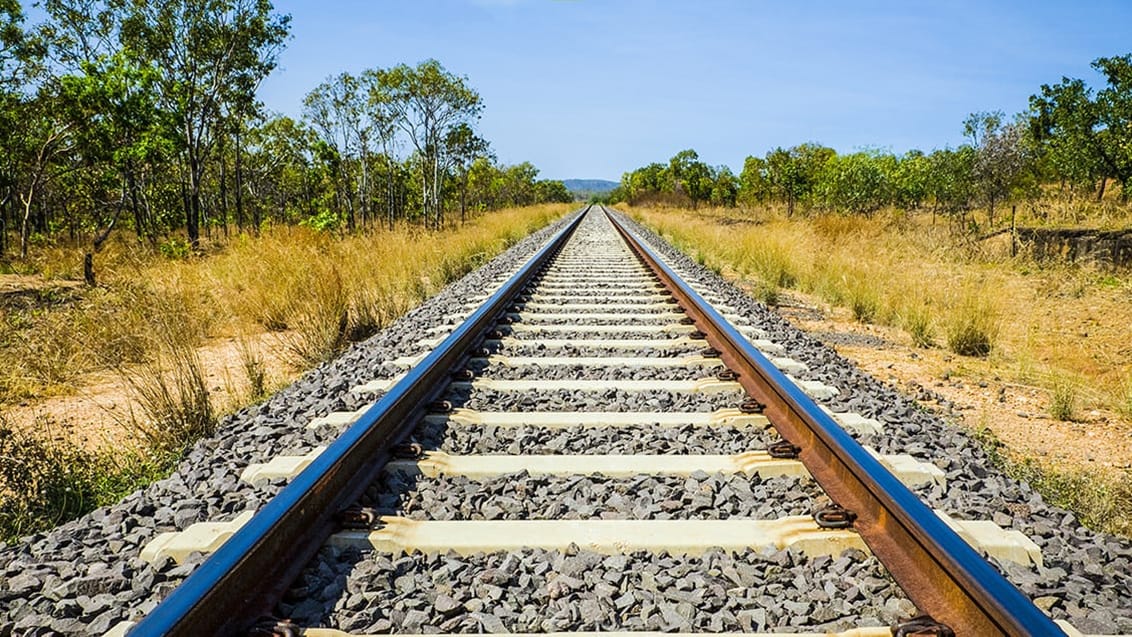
(43, 137)
(1089, 136)
(211, 55)
(856, 183)
(427, 101)
(462, 147)
(107, 97)
(690, 177)
(117, 132)
(15, 58)
(909, 180)
(11, 41)
(1001, 156)
(283, 180)
(336, 109)
(786, 176)
(382, 116)
(679, 173)
(754, 185)
(949, 183)
(724, 187)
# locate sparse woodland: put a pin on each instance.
(1074, 142)
(141, 117)
(135, 158)
(919, 246)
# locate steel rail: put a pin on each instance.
(938, 570)
(246, 577)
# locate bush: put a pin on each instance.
(972, 326)
(917, 321)
(45, 481)
(1102, 502)
(1064, 400)
(863, 300)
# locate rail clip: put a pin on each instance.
(922, 626)
(834, 516)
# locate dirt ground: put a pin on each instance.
(973, 392)
(970, 391)
(97, 412)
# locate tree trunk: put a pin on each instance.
(24, 229)
(135, 209)
(224, 193)
(192, 212)
(1013, 231)
(88, 270)
(240, 186)
(424, 193)
(363, 191)
(463, 201)
(96, 245)
(436, 190)
(1100, 189)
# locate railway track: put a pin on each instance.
(602, 443)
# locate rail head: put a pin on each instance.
(938, 570)
(246, 576)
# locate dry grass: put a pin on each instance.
(317, 290)
(905, 272)
(1062, 328)
(151, 316)
(971, 322)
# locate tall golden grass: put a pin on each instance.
(317, 290)
(940, 289)
(150, 317)
(1057, 326)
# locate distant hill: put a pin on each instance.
(589, 186)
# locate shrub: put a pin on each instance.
(972, 326)
(45, 480)
(916, 319)
(864, 301)
(1064, 400)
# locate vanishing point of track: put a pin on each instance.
(595, 295)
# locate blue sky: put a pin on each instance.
(593, 88)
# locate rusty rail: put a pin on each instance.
(940, 572)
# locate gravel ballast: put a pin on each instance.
(521, 496)
(84, 577)
(1086, 577)
(538, 591)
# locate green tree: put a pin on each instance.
(552, 191)
(856, 183)
(116, 133)
(909, 179)
(754, 184)
(644, 183)
(949, 184)
(462, 147)
(211, 56)
(336, 109)
(724, 187)
(428, 102)
(1088, 136)
(17, 61)
(284, 180)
